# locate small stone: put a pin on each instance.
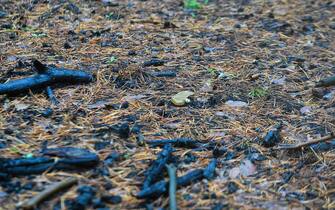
(21, 106)
(332, 25)
(305, 110)
(112, 199)
(111, 3)
(280, 11)
(47, 112)
(280, 81)
(6, 26)
(329, 95)
(67, 45)
(232, 103)
(232, 187)
(207, 87)
(3, 14)
(247, 168)
(234, 172)
(131, 98)
(11, 58)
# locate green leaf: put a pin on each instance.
(38, 35)
(112, 60)
(258, 92)
(192, 4)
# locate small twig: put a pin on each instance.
(51, 96)
(177, 142)
(305, 144)
(45, 194)
(172, 186)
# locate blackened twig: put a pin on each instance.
(177, 142)
(154, 62)
(46, 76)
(164, 74)
(45, 194)
(66, 158)
(209, 171)
(160, 188)
(172, 186)
(51, 96)
(305, 144)
(158, 165)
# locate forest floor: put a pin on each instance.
(250, 64)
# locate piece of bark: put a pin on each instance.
(46, 76)
(51, 96)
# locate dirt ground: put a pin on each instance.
(251, 64)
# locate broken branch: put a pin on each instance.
(46, 76)
(177, 142)
(305, 144)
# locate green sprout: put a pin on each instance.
(38, 35)
(258, 92)
(212, 71)
(112, 60)
(192, 4)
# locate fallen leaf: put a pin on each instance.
(247, 168)
(181, 98)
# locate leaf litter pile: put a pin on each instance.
(167, 104)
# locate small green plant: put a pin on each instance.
(212, 71)
(112, 60)
(258, 92)
(15, 150)
(38, 35)
(192, 4)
